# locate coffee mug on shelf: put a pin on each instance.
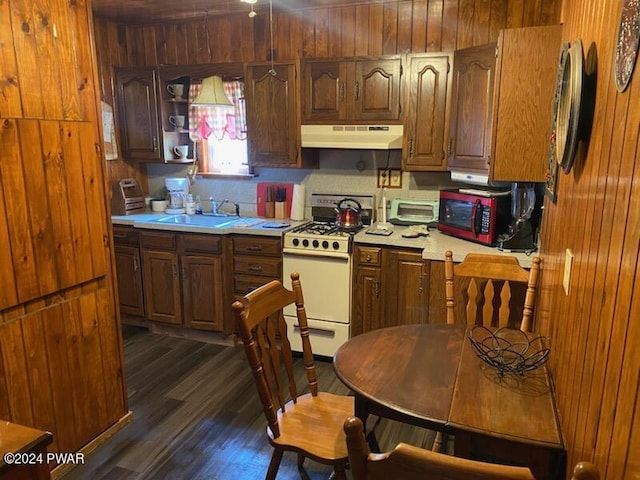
(181, 151)
(177, 120)
(176, 89)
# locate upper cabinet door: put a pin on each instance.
(376, 89)
(502, 105)
(471, 117)
(526, 70)
(426, 100)
(138, 113)
(324, 91)
(273, 119)
(351, 90)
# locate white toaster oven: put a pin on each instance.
(413, 212)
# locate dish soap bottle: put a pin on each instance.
(190, 207)
(198, 205)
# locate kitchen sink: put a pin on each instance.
(210, 221)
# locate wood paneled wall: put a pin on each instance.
(60, 347)
(596, 329)
(372, 29)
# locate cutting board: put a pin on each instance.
(261, 196)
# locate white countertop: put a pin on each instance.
(254, 226)
(434, 246)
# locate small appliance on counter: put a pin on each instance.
(178, 189)
(414, 212)
(520, 237)
(127, 197)
(475, 214)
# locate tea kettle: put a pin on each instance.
(348, 214)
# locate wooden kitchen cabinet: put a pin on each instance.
(273, 116)
(427, 97)
(256, 261)
(137, 105)
(202, 285)
(351, 90)
(161, 277)
(391, 287)
(129, 270)
(502, 105)
(183, 279)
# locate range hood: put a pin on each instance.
(370, 137)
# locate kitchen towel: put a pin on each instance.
(297, 202)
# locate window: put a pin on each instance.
(221, 132)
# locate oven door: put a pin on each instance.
(326, 285)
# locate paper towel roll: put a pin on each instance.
(297, 202)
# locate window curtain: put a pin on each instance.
(218, 121)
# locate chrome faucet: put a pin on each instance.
(215, 207)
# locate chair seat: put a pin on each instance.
(313, 426)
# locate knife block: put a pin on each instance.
(280, 209)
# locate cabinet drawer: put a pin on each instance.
(201, 243)
(243, 284)
(126, 236)
(158, 240)
(257, 245)
(369, 256)
(263, 266)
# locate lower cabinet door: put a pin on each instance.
(162, 287)
(202, 292)
(129, 272)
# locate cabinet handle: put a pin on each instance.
(368, 258)
(136, 264)
(357, 91)
(174, 270)
(411, 147)
(155, 143)
(342, 92)
(420, 285)
(254, 248)
(377, 289)
(255, 268)
(450, 147)
(119, 235)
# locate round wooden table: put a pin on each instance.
(429, 376)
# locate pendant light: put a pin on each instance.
(212, 93)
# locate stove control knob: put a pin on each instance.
(336, 245)
(316, 243)
(305, 243)
(325, 244)
(295, 242)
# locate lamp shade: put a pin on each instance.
(212, 93)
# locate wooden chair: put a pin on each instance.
(490, 288)
(310, 423)
(413, 463)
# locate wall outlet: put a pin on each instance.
(568, 264)
(395, 178)
(383, 177)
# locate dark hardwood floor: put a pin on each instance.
(196, 415)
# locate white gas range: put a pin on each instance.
(321, 253)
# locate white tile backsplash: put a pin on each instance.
(340, 171)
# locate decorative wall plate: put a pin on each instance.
(551, 184)
(567, 115)
(627, 43)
